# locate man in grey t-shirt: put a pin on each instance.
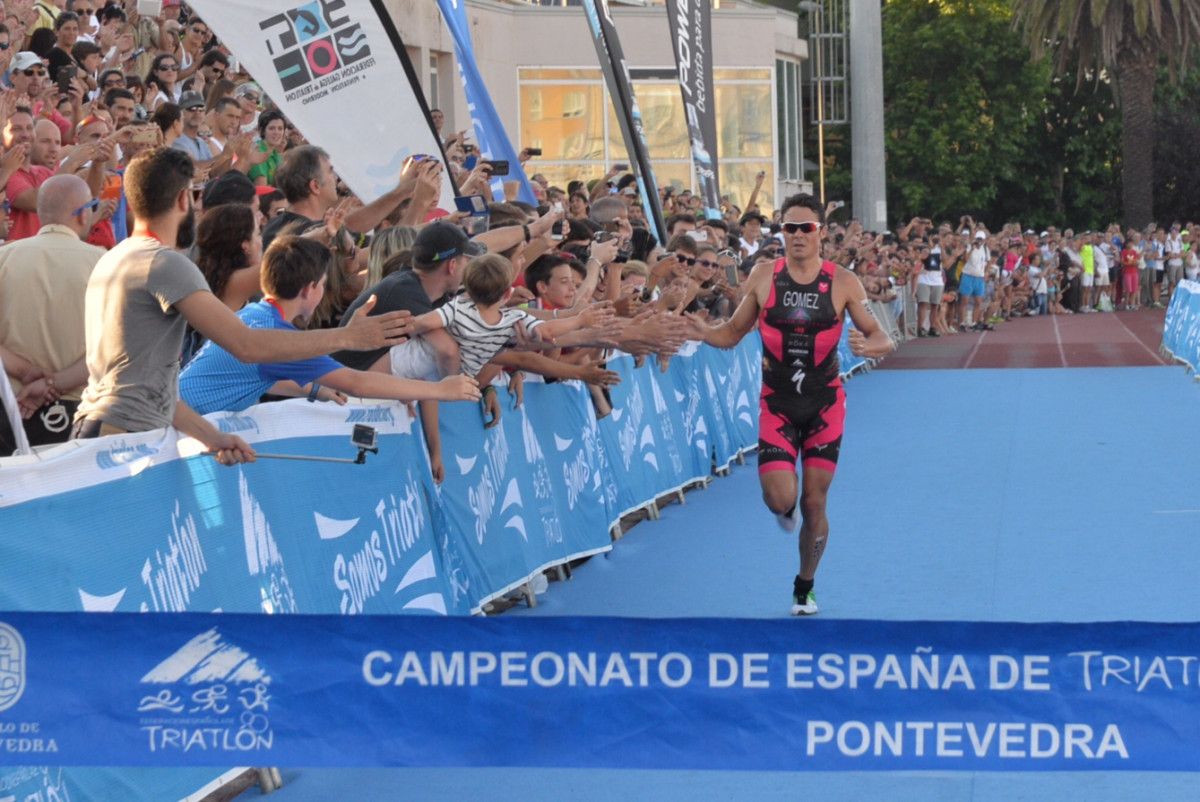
(142, 295)
(134, 333)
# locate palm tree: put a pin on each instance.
(1125, 39)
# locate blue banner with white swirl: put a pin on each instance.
(730, 694)
(1181, 329)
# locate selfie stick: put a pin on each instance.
(361, 459)
(363, 439)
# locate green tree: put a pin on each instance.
(1126, 38)
(1068, 173)
(963, 104)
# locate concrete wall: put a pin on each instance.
(507, 37)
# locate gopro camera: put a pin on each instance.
(363, 437)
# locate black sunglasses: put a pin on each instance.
(807, 227)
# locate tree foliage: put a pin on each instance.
(974, 126)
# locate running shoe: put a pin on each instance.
(806, 605)
(787, 522)
(933, 333)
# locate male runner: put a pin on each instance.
(799, 303)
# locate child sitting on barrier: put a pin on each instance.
(294, 272)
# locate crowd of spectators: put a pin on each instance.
(966, 277)
(175, 245)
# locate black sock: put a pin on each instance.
(801, 587)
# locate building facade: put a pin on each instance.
(541, 70)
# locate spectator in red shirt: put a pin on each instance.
(22, 186)
(1130, 257)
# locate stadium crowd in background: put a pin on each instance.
(125, 135)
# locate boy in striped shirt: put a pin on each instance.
(482, 326)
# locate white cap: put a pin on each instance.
(980, 235)
(23, 61)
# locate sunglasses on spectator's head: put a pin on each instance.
(807, 227)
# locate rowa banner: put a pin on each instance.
(1181, 329)
(629, 116)
(691, 41)
(490, 135)
(339, 71)
(728, 694)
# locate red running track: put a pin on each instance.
(1102, 339)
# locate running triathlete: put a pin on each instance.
(799, 303)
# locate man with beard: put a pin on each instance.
(142, 295)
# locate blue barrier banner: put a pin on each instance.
(848, 361)
(204, 689)
(73, 784)
(1181, 329)
(144, 523)
(490, 135)
(127, 524)
(524, 495)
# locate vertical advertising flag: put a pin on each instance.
(489, 131)
(691, 40)
(339, 71)
(616, 75)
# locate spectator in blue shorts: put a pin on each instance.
(294, 273)
(972, 287)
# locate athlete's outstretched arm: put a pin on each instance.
(731, 332)
(868, 339)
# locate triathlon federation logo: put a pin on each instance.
(12, 666)
(211, 697)
(313, 42)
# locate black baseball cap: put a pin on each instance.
(231, 186)
(440, 241)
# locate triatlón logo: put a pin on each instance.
(212, 696)
(12, 666)
(313, 41)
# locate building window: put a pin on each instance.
(434, 94)
(567, 113)
(789, 111)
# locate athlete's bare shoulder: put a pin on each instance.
(759, 281)
(847, 287)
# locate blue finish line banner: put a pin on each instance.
(209, 690)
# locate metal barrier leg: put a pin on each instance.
(266, 782)
(277, 777)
